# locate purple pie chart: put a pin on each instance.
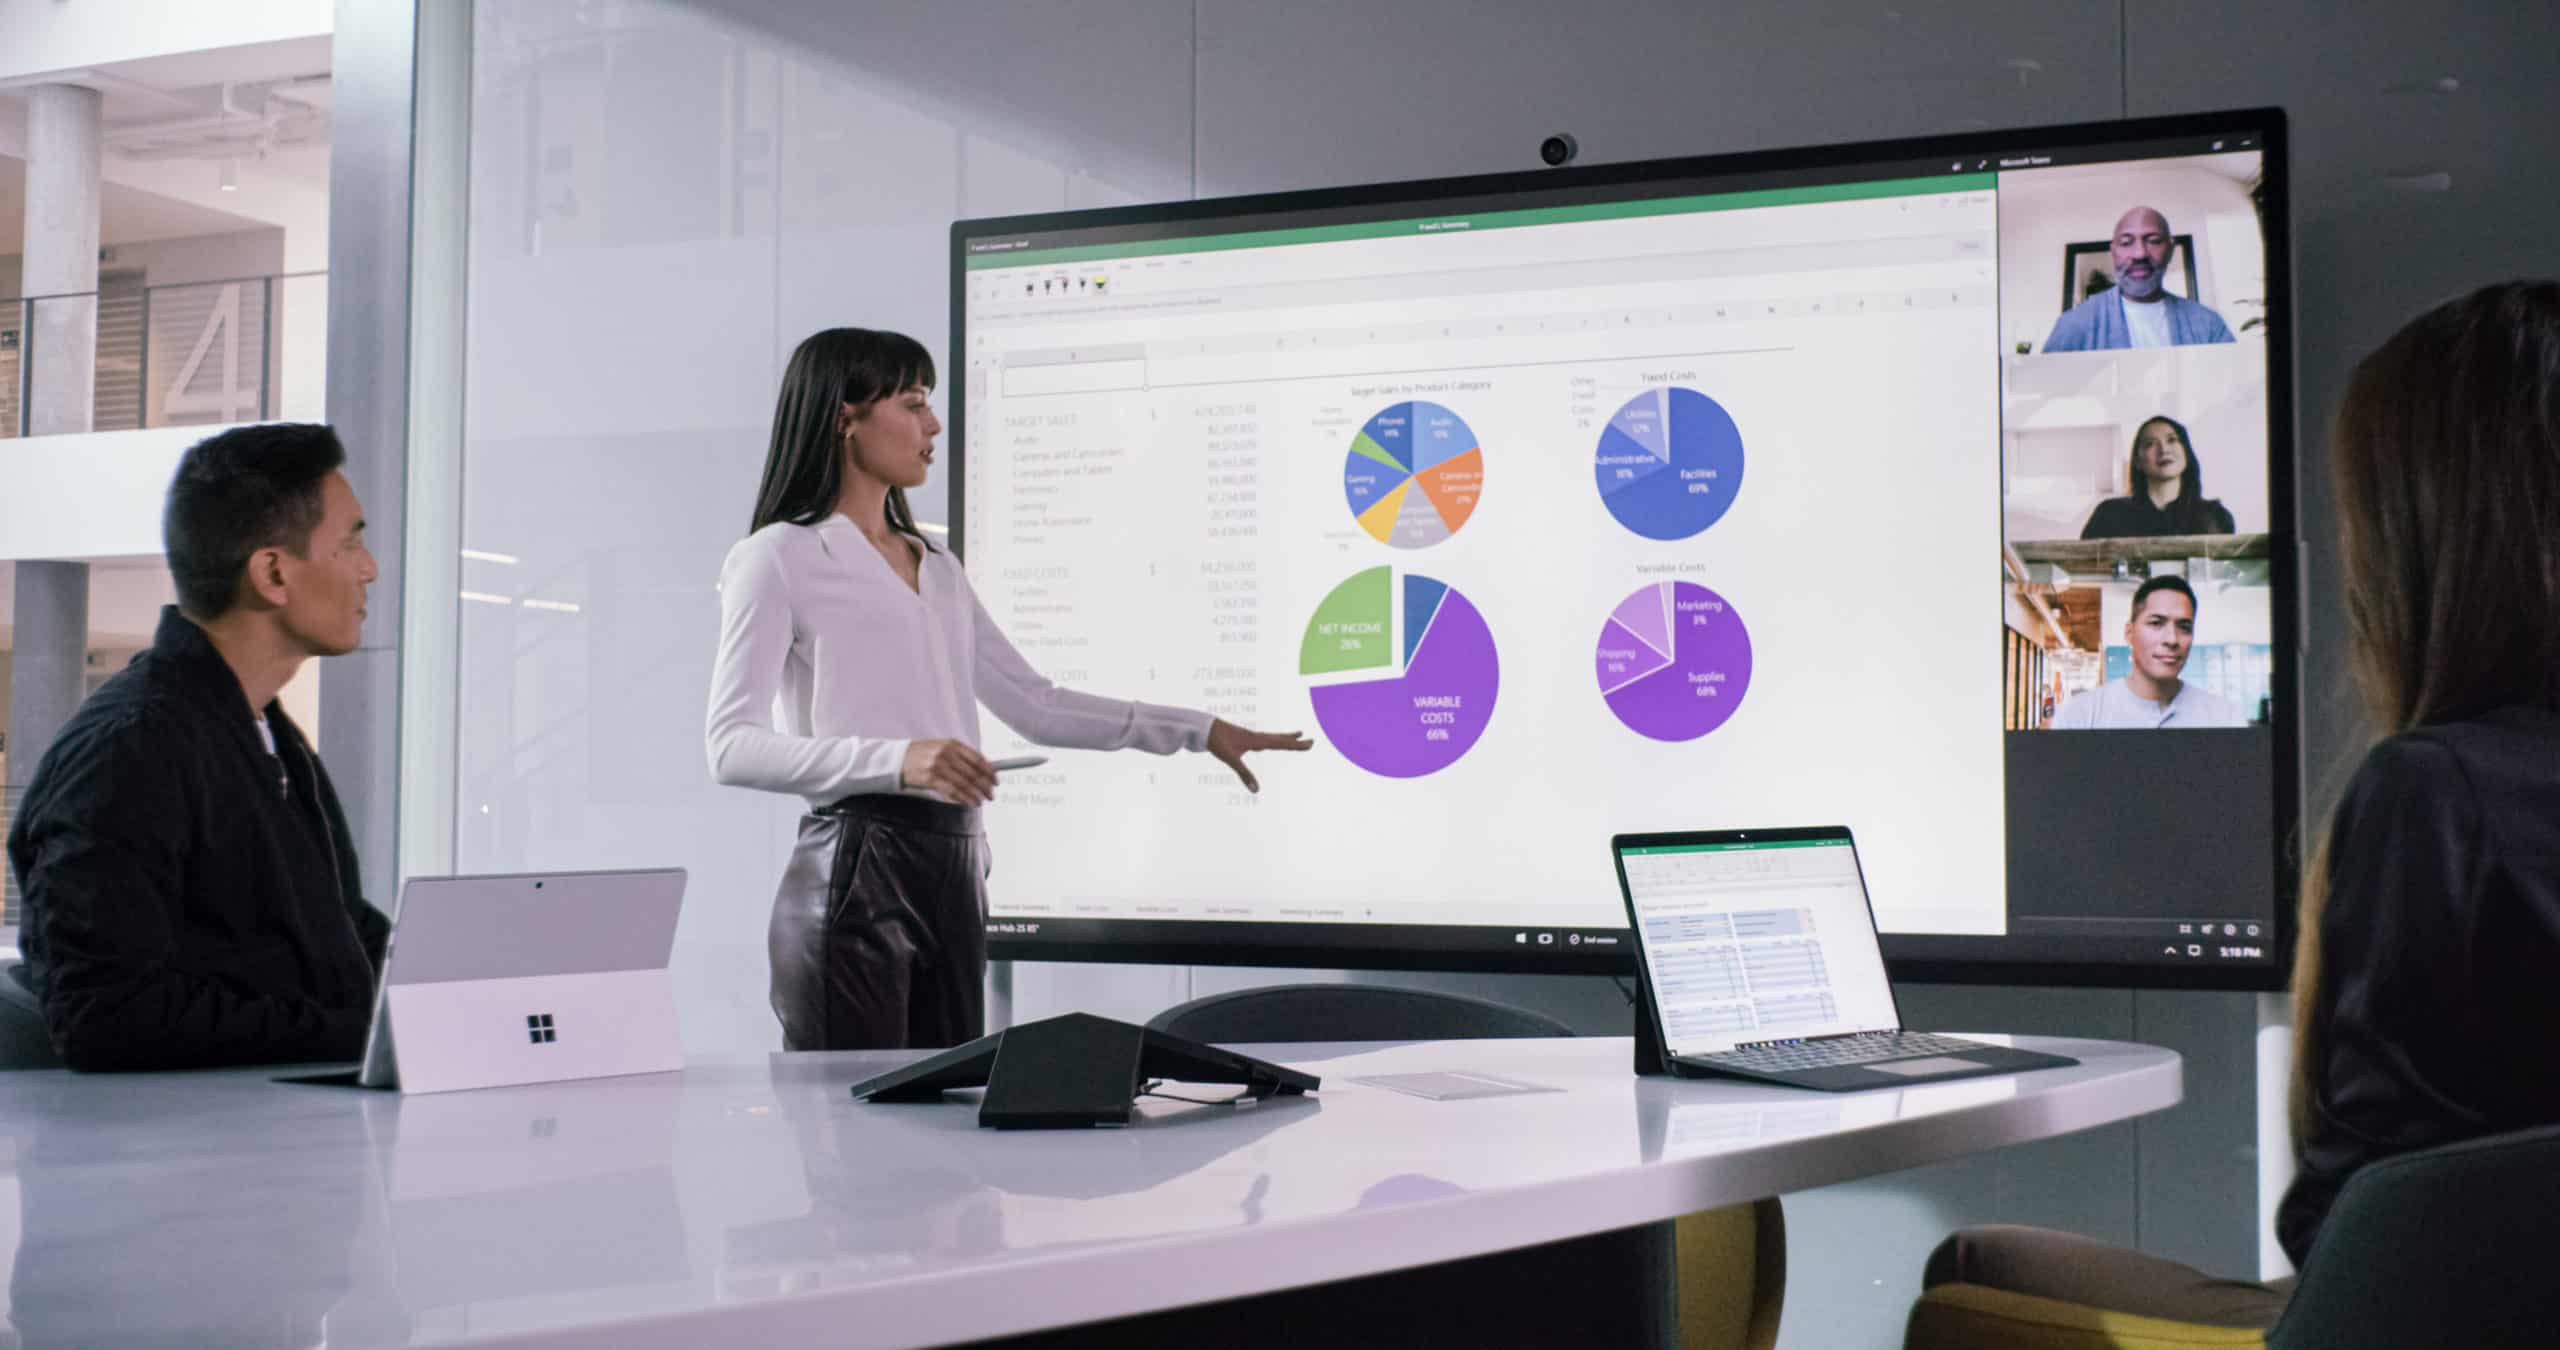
(1673, 661)
(1406, 672)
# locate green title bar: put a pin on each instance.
(1739, 848)
(1490, 220)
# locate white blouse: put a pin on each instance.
(829, 666)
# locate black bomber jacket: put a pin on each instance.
(190, 899)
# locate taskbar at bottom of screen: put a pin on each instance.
(2114, 961)
(1354, 946)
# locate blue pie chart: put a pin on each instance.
(1669, 463)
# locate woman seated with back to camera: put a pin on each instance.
(2168, 490)
(2423, 993)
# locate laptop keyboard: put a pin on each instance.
(1834, 1051)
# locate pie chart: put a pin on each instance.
(1669, 463)
(1674, 661)
(1413, 474)
(1402, 690)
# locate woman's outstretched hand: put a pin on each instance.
(1231, 743)
(951, 768)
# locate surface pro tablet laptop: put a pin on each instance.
(526, 978)
(1759, 950)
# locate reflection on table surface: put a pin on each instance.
(227, 1209)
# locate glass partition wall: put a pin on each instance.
(663, 203)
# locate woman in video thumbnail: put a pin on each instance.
(853, 657)
(2423, 994)
(2168, 490)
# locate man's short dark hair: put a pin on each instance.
(246, 489)
(2166, 582)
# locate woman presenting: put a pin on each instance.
(853, 655)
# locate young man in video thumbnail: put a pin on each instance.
(2161, 633)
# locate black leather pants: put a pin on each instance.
(879, 937)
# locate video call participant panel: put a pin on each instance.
(2140, 670)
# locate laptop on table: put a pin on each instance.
(532, 977)
(1759, 950)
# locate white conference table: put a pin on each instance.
(753, 1202)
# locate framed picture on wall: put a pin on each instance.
(2090, 268)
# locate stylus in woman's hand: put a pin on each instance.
(1231, 743)
(954, 769)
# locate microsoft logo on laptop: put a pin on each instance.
(537, 1028)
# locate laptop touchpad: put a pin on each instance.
(1913, 1068)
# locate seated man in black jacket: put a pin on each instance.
(191, 895)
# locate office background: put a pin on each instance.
(570, 246)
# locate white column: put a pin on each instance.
(378, 110)
(48, 659)
(61, 257)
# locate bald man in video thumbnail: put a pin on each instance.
(2138, 311)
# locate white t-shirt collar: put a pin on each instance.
(2146, 324)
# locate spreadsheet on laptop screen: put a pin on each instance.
(1748, 942)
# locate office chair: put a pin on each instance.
(1350, 1012)
(1731, 1262)
(2448, 1246)
(24, 1043)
